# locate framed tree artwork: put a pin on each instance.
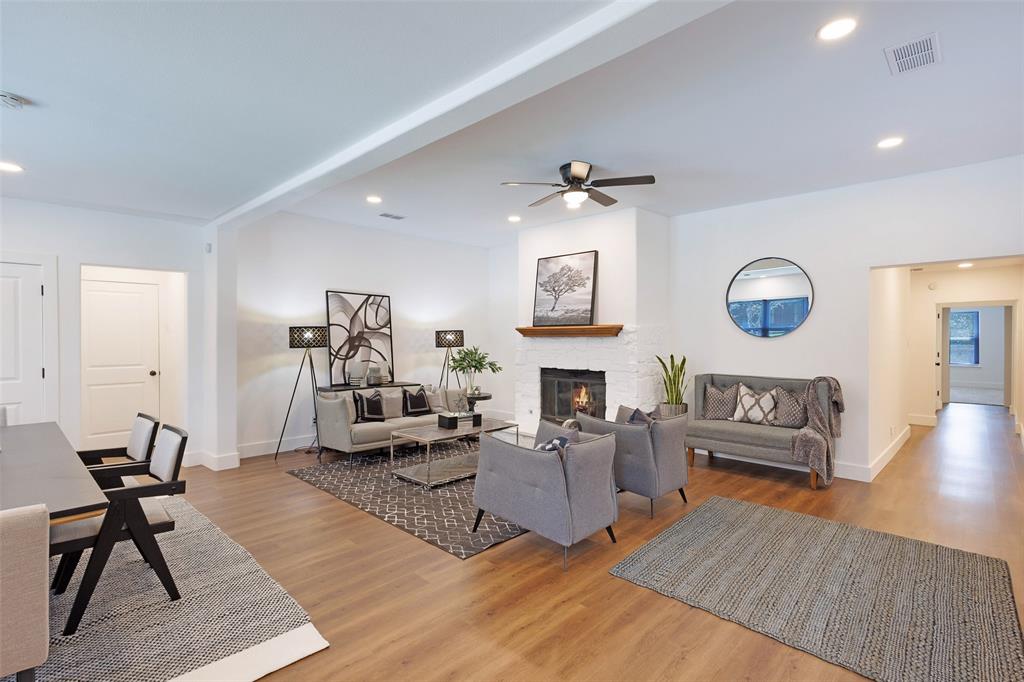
(358, 335)
(565, 290)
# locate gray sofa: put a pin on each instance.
(757, 441)
(336, 414)
(564, 501)
(648, 458)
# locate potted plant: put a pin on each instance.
(471, 361)
(673, 377)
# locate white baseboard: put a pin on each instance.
(977, 384)
(856, 472)
(499, 414)
(889, 452)
(228, 460)
(267, 447)
(922, 419)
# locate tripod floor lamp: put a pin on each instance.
(448, 339)
(306, 338)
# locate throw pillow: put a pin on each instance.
(754, 408)
(415, 404)
(455, 400)
(393, 403)
(369, 407)
(790, 408)
(556, 444)
(640, 417)
(719, 404)
(436, 400)
(623, 414)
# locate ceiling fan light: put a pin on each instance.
(576, 196)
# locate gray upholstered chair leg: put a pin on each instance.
(611, 534)
(565, 558)
(479, 515)
(652, 507)
(682, 493)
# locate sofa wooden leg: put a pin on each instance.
(689, 456)
(814, 479)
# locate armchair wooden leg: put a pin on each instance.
(814, 479)
(689, 456)
(138, 526)
(682, 494)
(565, 558)
(611, 534)
(652, 507)
(65, 569)
(26, 675)
(711, 456)
(105, 541)
(479, 515)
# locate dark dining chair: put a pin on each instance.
(134, 514)
(139, 448)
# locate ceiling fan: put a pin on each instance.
(575, 188)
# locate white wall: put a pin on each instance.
(988, 373)
(930, 290)
(86, 237)
(837, 236)
(502, 303)
(286, 262)
(888, 350)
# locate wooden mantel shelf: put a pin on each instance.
(573, 330)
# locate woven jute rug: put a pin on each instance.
(882, 605)
(233, 621)
(442, 516)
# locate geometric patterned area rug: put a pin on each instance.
(442, 516)
(882, 605)
(233, 621)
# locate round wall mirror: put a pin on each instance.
(770, 297)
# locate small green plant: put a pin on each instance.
(673, 377)
(471, 361)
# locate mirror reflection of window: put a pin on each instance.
(770, 297)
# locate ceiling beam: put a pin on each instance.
(613, 30)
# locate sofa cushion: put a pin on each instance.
(412, 422)
(754, 408)
(436, 400)
(415, 402)
(790, 408)
(720, 404)
(372, 432)
(740, 432)
(392, 402)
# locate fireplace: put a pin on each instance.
(564, 392)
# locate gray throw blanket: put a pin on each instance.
(815, 444)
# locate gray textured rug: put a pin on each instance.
(442, 516)
(132, 631)
(882, 605)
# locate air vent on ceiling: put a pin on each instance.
(392, 216)
(914, 55)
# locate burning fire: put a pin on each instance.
(581, 399)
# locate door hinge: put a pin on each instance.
(936, 394)
(44, 372)
(42, 290)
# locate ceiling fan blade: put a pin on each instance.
(618, 182)
(601, 197)
(542, 184)
(544, 200)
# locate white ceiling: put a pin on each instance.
(741, 105)
(191, 109)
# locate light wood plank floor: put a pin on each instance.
(395, 608)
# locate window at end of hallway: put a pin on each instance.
(963, 338)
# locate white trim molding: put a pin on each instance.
(211, 461)
(886, 455)
(922, 419)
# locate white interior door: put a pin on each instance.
(21, 342)
(120, 359)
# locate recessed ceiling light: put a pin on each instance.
(890, 142)
(374, 199)
(8, 167)
(834, 30)
(966, 265)
(514, 219)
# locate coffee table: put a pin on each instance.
(448, 469)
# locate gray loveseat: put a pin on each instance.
(756, 441)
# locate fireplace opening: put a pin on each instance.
(564, 392)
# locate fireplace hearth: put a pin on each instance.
(564, 392)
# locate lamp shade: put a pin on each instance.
(448, 338)
(307, 337)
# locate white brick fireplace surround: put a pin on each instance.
(631, 372)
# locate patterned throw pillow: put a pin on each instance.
(415, 404)
(790, 409)
(754, 408)
(369, 408)
(556, 444)
(720, 404)
(640, 417)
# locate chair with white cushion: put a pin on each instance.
(134, 514)
(140, 443)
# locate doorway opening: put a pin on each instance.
(979, 354)
(134, 351)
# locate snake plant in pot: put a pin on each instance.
(673, 377)
(471, 361)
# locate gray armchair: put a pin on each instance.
(648, 458)
(563, 501)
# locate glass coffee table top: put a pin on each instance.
(435, 472)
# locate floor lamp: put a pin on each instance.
(448, 339)
(306, 338)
